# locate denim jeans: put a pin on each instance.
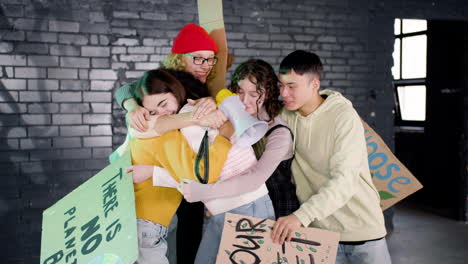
(371, 252)
(152, 245)
(213, 227)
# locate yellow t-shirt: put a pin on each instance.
(172, 152)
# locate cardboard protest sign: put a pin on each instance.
(391, 178)
(248, 240)
(95, 223)
(210, 17)
(210, 14)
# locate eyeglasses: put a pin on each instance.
(200, 60)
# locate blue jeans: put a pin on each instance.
(152, 244)
(213, 227)
(371, 252)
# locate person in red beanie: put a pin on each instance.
(191, 48)
(193, 51)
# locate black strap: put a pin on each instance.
(276, 127)
(203, 152)
(279, 126)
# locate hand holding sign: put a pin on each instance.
(248, 240)
(140, 173)
(284, 228)
(96, 222)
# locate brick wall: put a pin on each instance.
(60, 62)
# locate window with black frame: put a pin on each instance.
(409, 71)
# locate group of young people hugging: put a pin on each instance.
(170, 112)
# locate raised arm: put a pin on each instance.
(158, 125)
(140, 119)
(277, 149)
(124, 95)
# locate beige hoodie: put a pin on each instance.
(331, 171)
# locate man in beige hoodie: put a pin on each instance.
(330, 167)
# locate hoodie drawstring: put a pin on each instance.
(295, 134)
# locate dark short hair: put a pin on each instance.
(265, 78)
(302, 62)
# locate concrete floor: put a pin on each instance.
(421, 237)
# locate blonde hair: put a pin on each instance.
(175, 61)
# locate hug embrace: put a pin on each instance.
(310, 168)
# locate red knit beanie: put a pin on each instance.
(192, 37)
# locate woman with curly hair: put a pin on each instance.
(257, 86)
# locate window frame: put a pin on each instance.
(407, 82)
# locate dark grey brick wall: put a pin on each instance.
(60, 62)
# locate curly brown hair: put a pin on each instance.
(263, 76)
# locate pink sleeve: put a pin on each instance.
(277, 149)
(239, 161)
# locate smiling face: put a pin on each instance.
(199, 71)
(250, 97)
(161, 104)
(298, 91)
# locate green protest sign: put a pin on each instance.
(95, 223)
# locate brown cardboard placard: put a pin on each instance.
(391, 178)
(210, 17)
(248, 240)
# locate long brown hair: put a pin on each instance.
(157, 82)
(263, 76)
